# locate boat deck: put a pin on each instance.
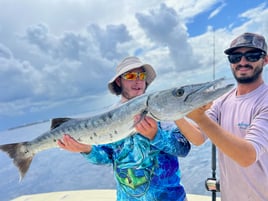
(89, 195)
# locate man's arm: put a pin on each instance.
(239, 149)
(190, 131)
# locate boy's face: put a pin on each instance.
(132, 88)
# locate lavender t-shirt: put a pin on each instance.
(245, 116)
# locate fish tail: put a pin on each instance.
(22, 158)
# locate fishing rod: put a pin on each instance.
(211, 183)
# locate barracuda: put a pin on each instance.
(118, 123)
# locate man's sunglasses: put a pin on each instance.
(250, 56)
(134, 75)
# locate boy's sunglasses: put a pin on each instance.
(250, 56)
(134, 75)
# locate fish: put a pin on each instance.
(118, 123)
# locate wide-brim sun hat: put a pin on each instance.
(130, 63)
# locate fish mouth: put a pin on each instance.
(208, 88)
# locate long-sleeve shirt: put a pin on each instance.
(145, 169)
(245, 116)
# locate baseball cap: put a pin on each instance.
(248, 40)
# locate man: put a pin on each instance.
(237, 123)
(145, 165)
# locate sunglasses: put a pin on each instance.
(250, 56)
(134, 75)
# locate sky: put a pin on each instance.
(56, 57)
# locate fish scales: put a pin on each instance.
(118, 123)
(104, 128)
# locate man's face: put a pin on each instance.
(246, 71)
(132, 88)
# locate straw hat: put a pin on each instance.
(128, 64)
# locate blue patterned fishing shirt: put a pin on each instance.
(145, 170)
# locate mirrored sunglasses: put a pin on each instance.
(134, 75)
(250, 56)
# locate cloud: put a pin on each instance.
(216, 11)
(38, 35)
(22, 77)
(79, 60)
(5, 52)
(72, 65)
(164, 27)
(108, 39)
(67, 46)
(254, 19)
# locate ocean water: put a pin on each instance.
(57, 170)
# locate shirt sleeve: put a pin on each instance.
(257, 131)
(171, 141)
(100, 154)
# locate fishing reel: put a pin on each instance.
(212, 184)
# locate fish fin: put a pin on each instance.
(142, 115)
(20, 155)
(58, 121)
(132, 132)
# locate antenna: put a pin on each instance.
(211, 183)
(214, 53)
(213, 148)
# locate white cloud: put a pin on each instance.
(190, 8)
(254, 19)
(5, 52)
(165, 28)
(217, 10)
(107, 39)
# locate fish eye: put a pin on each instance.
(178, 92)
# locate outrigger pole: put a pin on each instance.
(211, 183)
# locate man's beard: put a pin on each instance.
(249, 79)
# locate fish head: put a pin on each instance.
(175, 103)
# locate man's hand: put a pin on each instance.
(147, 126)
(198, 114)
(70, 144)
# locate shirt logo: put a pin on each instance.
(243, 126)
